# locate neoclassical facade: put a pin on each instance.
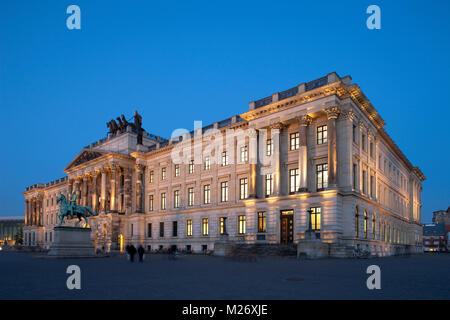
(314, 157)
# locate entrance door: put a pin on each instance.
(287, 226)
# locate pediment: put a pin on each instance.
(83, 157)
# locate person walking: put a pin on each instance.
(132, 252)
(127, 250)
(141, 251)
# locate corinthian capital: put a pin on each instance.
(304, 120)
(332, 112)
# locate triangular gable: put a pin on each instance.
(84, 156)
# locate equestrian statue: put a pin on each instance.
(70, 209)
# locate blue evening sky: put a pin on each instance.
(177, 62)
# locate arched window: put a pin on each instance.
(373, 226)
(356, 222)
(365, 223)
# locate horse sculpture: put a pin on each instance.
(78, 211)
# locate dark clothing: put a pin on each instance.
(132, 252)
(141, 253)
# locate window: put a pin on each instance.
(356, 222)
(149, 230)
(241, 224)
(269, 184)
(244, 154)
(223, 225)
(224, 158)
(224, 191)
(354, 133)
(373, 226)
(163, 201)
(161, 229)
(190, 197)
(189, 228)
(205, 227)
(294, 180)
(207, 163)
(355, 175)
(262, 222)
(191, 166)
(177, 170)
(174, 228)
(176, 199)
(206, 194)
(363, 142)
(243, 188)
(163, 173)
(322, 136)
(294, 141)
(269, 147)
(152, 176)
(372, 186)
(322, 176)
(365, 224)
(364, 181)
(315, 214)
(371, 150)
(150, 202)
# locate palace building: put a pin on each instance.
(314, 159)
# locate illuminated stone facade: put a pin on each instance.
(312, 157)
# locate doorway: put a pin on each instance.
(287, 226)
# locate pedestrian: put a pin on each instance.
(132, 252)
(141, 251)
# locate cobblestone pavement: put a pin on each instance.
(30, 276)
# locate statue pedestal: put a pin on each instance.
(72, 242)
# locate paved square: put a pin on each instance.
(28, 276)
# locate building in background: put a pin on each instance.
(11, 230)
(435, 238)
(324, 164)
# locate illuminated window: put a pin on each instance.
(365, 224)
(315, 216)
(189, 228)
(294, 141)
(269, 184)
(241, 224)
(322, 136)
(269, 147)
(190, 197)
(191, 166)
(206, 194)
(223, 225)
(176, 199)
(224, 158)
(161, 229)
(294, 180)
(152, 176)
(174, 228)
(262, 222)
(163, 201)
(207, 163)
(243, 188)
(177, 170)
(224, 191)
(205, 227)
(322, 176)
(163, 173)
(244, 154)
(150, 202)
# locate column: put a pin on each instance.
(253, 159)
(304, 121)
(332, 114)
(94, 191)
(275, 134)
(127, 191)
(345, 156)
(113, 180)
(84, 190)
(103, 191)
(76, 187)
(139, 184)
(40, 218)
(26, 212)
